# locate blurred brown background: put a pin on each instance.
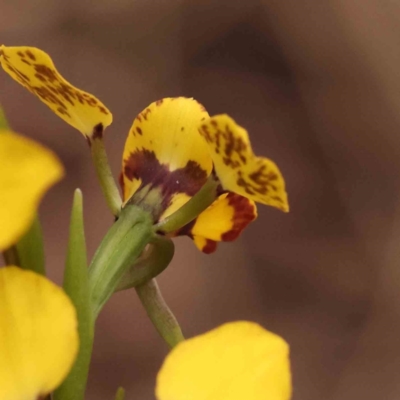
(317, 85)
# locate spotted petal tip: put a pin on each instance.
(224, 220)
(35, 70)
(238, 169)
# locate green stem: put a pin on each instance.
(120, 395)
(190, 210)
(103, 170)
(3, 121)
(153, 261)
(31, 249)
(159, 313)
(120, 248)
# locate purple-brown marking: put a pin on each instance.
(144, 165)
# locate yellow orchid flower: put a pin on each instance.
(38, 335)
(172, 148)
(34, 70)
(239, 360)
(27, 170)
(38, 325)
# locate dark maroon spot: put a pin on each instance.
(209, 247)
(159, 102)
(139, 131)
(187, 229)
(46, 71)
(98, 131)
(30, 55)
(244, 213)
(103, 110)
(21, 75)
(40, 77)
(45, 94)
(145, 113)
(145, 166)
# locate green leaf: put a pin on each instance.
(30, 249)
(76, 285)
(3, 120)
(120, 394)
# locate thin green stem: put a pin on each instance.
(190, 210)
(120, 395)
(30, 249)
(120, 248)
(151, 263)
(103, 170)
(3, 121)
(159, 313)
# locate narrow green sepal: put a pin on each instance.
(76, 285)
(190, 210)
(120, 248)
(30, 249)
(159, 313)
(120, 394)
(105, 176)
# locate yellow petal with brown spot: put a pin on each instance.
(224, 221)
(27, 171)
(238, 169)
(164, 151)
(237, 361)
(38, 335)
(35, 70)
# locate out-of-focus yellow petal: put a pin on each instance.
(27, 170)
(224, 220)
(238, 169)
(164, 151)
(35, 70)
(236, 361)
(38, 335)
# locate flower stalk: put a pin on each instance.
(104, 174)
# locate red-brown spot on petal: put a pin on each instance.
(209, 247)
(244, 213)
(144, 165)
(30, 55)
(103, 110)
(98, 131)
(46, 71)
